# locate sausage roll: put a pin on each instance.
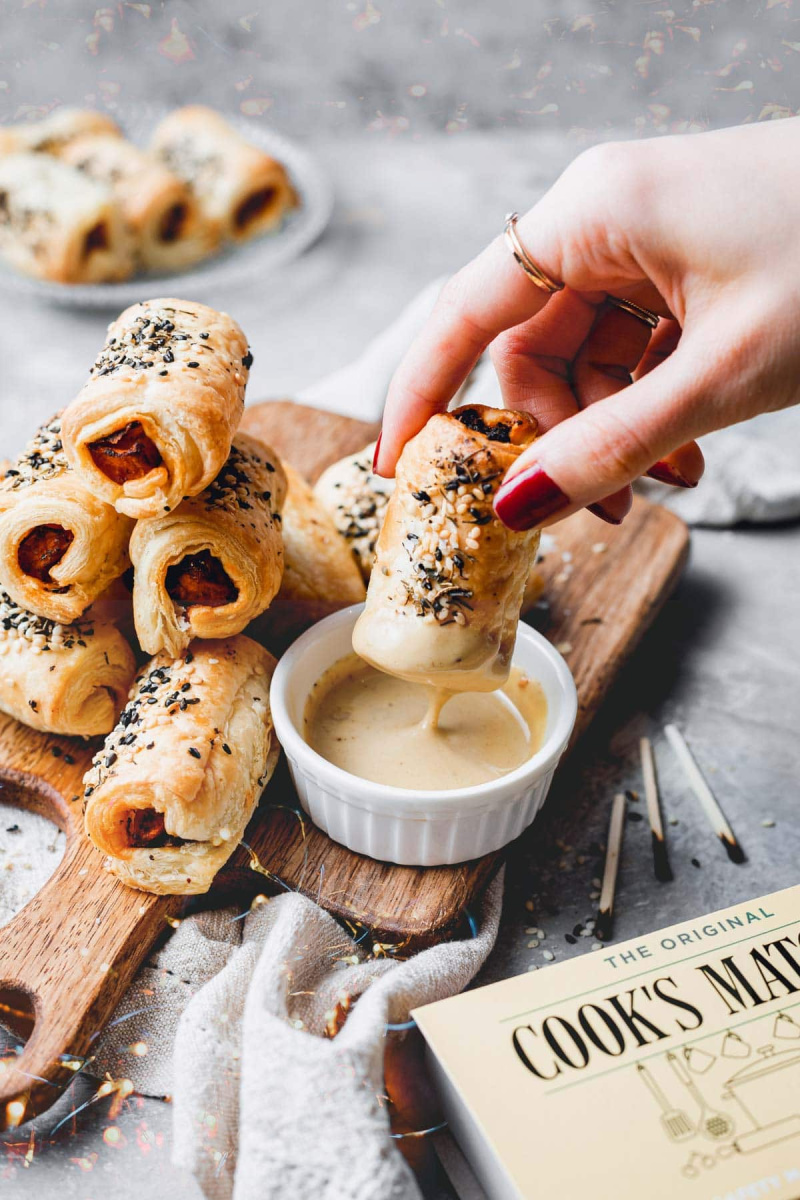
(56, 224)
(445, 593)
(211, 566)
(319, 575)
(156, 419)
(242, 192)
(69, 679)
(60, 546)
(55, 131)
(356, 499)
(171, 791)
(159, 209)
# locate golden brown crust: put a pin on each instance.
(224, 547)
(54, 132)
(207, 716)
(445, 592)
(163, 215)
(69, 679)
(60, 546)
(320, 575)
(356, 499)
(179, 370)
(242, 192)
(56, 224)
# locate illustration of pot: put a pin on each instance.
(763, 1098)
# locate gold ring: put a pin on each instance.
(636, 310)
(534, 272)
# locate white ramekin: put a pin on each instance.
(416, 828)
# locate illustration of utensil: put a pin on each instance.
(674, 1121)
(711, 1122)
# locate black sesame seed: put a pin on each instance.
(193, 364)
(56, 751)
(226, 748)
(247, 361)
(194, 753)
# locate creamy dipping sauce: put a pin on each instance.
(385, 729)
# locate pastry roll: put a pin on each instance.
(319, 575)
(55, 131)
(156, 419)
(159, 209)
(211, 566)
(356, 499)
(242, 192)
(445, 593)
(171, 791)
(56, 224)
(60, 546)
(70, 679)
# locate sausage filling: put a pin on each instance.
(200, 579)
(172, 223)
(254, 206)
(144, 828)
(96, 239)
(41, 549)
(126, 454)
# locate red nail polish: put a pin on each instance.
(528, 499)
(376, 454)
(664, 472)
(598, 510)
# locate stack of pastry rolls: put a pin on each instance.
(82, 204)
(143, 477)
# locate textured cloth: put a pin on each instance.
(750, 477)
(266, 1107)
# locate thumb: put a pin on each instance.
(602, 448)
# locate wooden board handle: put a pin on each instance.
(56, 958)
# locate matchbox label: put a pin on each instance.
(672, 1060)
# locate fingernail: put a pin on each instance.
(664, 472)
(528, 499)
(376, 455)
(599, 510)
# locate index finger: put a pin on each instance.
(490, 294)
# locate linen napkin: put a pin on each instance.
(266, 1107)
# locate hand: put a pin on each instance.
(703, 230)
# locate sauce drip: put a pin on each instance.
(405, 734)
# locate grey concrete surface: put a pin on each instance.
(434, 118)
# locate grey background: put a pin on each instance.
(512, 90)
(334, 67)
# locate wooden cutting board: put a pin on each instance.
(67, 958)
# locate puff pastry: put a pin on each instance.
(57, 224)
(60, 546)
(211, 566)
(242, 192)
(206, 714)
(159, 209)
(70, 679)
(319, 574)
(356, 499)
(156, 419)
(55, 131)
(445, 593)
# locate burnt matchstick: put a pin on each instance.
(704, 794)
(661, 867)
(604, 922)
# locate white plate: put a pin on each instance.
(234, 265)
